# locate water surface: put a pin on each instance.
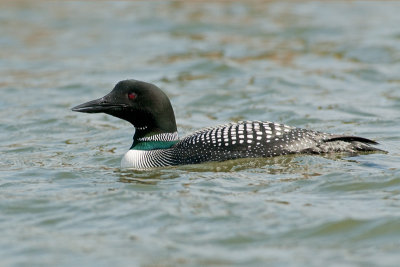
(332, 67)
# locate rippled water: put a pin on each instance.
(327, 66)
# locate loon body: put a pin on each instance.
(156, 142)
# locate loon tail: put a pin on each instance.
(349, 138)
(344, 143)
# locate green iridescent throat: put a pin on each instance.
(151, 145)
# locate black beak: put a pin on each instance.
(99, 105)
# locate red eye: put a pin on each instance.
(132, 96)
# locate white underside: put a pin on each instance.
(132, 158)
(146, 159)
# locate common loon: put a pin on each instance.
(156, 142)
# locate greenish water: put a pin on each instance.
(329, 66)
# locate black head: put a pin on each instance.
(142, 104)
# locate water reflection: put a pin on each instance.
(302, 166)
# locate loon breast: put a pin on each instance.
(145, 159)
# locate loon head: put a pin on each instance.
(142, 104)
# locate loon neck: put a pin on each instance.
(154, 141)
